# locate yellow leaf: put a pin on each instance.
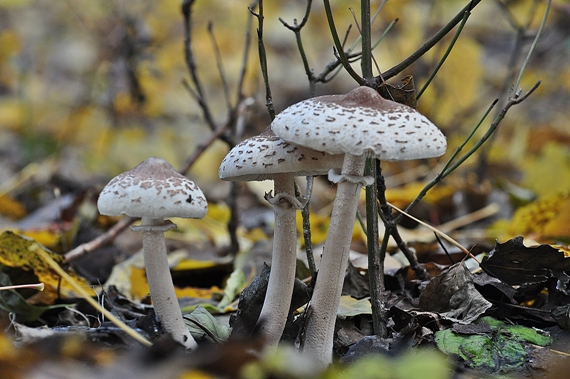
(548, 173)
(544, 219)
(138, 284)
(193, 264)
(11, 207)
(45, 237)
(198, 293)
(14, 253)
(319, 227)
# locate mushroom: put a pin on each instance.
(359, 124)
(266, 157)
(154, 190)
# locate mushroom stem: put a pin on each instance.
(283, 262)
(328, 288)
(166, 305)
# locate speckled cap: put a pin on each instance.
(152, 189)
(360, 122)
(262, 156)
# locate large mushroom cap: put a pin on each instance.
(262, 156)
(152, 189)
(360, 122)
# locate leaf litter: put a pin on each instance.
(446, 310)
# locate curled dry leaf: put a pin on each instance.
(453, 295)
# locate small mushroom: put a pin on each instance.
(359, 124)
(153, 190)
(266, 157)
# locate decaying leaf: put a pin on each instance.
(493, 347)
(452, 294)
(14, 252)
(543, 219)
(349, 307)
(203, 325)
(12, 301)
(516, 264)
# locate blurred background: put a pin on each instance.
(89, 89)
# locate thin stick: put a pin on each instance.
(124, 327)
(36, 286)
(438, 232)
(263, 59)
(101, 240)
(430, 43)
(445, 55)
(339, 51)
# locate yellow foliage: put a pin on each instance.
(12, 114)
(11, 207)
(138, 284)
(319, 227)
(14, 252)
(198, 293)
(406, 194)
(457, 84)
(542, 220)
(549, 173)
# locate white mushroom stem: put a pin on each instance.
(164, 299)
(326, 296)
(283, 262)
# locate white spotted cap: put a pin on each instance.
(152, 189)
(360, 122)
(262, 156)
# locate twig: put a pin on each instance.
(296, 28)
(220, 66)
(430, 43)
(307, 228)
(449, 168)
(263, 59)
(436, 231)
(101, 240)
(339, 51)
(445, 55)
(119, 323)
(199, 150)
(198, 94)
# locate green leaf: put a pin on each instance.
(12, 301)
(501, 348)
(234, 285)
(203, 325)
(349, 307)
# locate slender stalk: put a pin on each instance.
(326, 296)
(283, 263)
(159, 279)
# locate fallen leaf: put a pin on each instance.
(516, 264)
(349, 307)
(496, 347)
(452, 294)
(14, 252)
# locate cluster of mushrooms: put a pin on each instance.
(331, 134)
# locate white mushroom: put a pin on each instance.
(359, 124)
(154, 190)
(266, 157)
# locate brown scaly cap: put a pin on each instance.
(262, 156)
(152, 189)
(360, 122)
